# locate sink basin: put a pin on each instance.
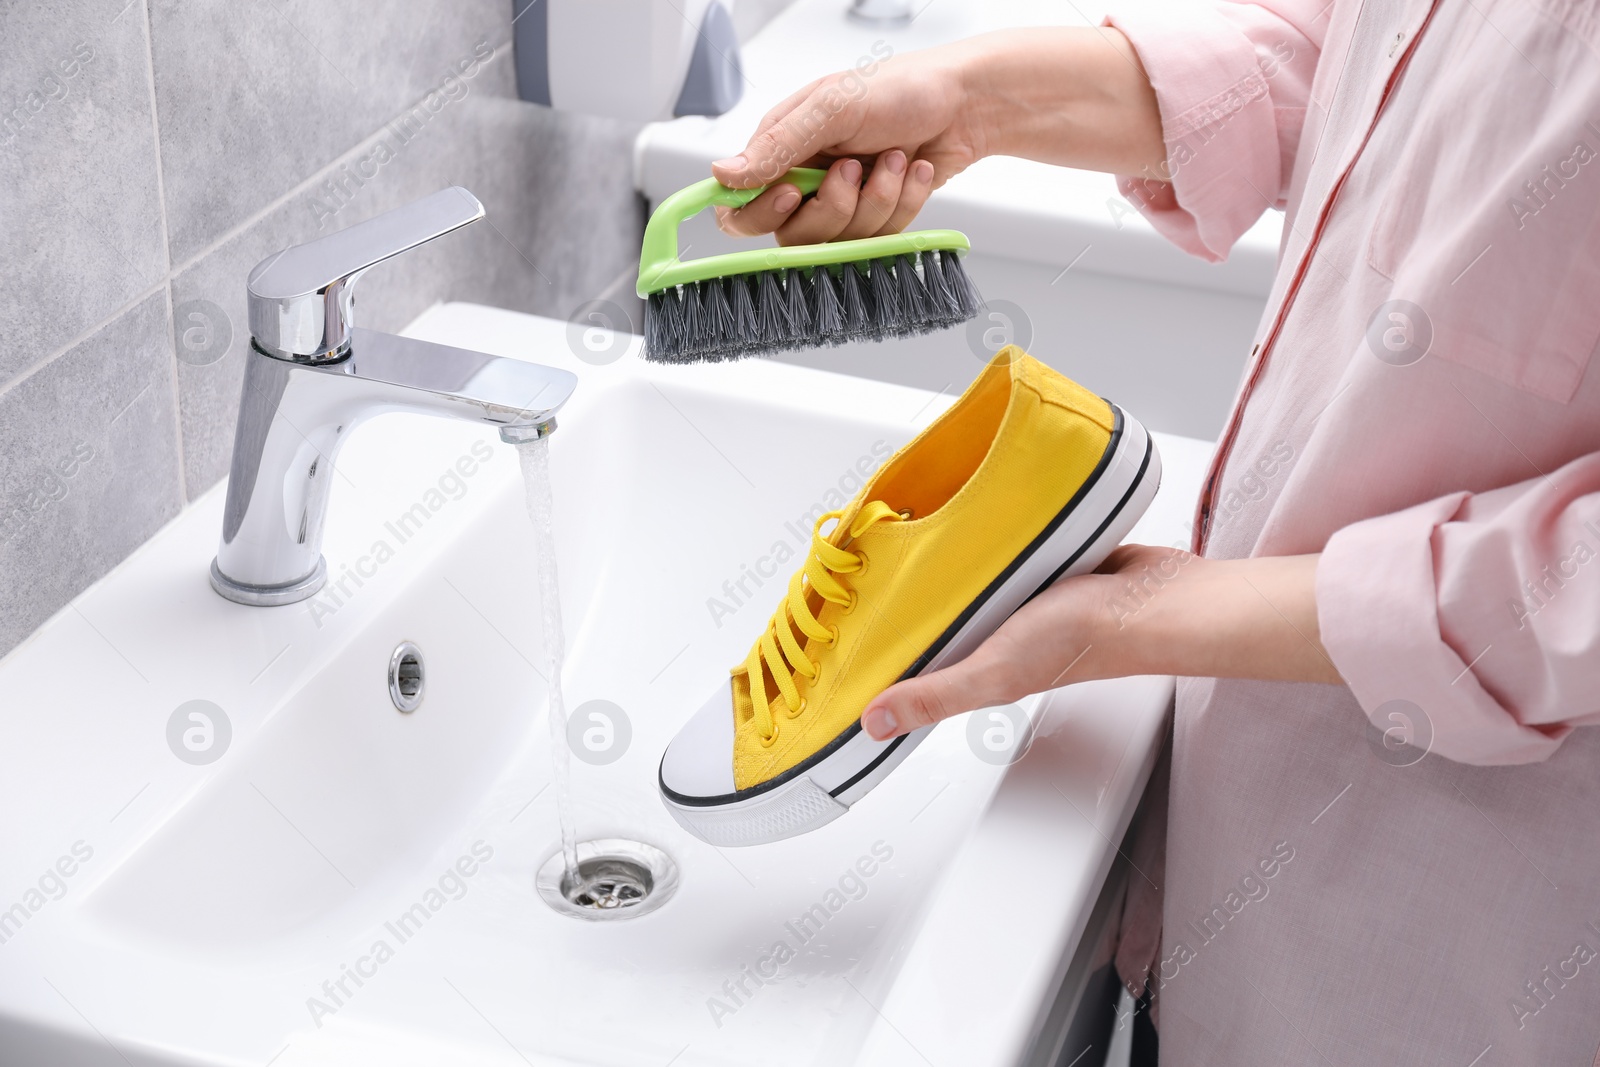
(307, 875)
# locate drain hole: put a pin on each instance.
(617, 879)
(608, 883)
(410, 676)
(406, 677)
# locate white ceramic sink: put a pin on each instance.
(198, 909)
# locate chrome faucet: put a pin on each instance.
(311, 376)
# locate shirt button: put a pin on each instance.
(1396, 43)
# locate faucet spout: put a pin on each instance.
(521, 435)
(297, 409)
(455, 382)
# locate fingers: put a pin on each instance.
(930, 698)
(1052, 640)
(762, 215)
(820, 219)
(878, 197)
(825, 216)
(843, 208)
(913, 194)
(918, 702)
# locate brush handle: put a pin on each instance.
(688, 202)
(807, 179)
(660, 248)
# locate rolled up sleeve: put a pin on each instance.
(1232, 81)
(1483, 610)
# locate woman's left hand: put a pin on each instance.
(1147, 610)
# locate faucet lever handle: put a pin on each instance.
(300, 298)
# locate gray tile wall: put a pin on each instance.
(152, 151)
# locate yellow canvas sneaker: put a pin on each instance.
(1026, 479)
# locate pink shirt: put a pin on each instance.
(1421, 409)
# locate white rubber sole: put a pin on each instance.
(822, 789)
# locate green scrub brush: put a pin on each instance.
(802, 296)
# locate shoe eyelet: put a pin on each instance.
(833, 638)
(797, 712)
(850, 605)
(767, 742)
(816, 679)
(862, 556)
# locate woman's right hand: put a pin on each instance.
(903, 123)
(1075, 96)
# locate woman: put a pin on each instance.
(1397, 544)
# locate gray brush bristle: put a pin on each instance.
(721, 327)
(747, 328)
(797, 319)
(915, 304)
(947, 304)
(856, 297)
(968, 302)
(885, 299)
(747, 314)
(827, 308)
(663, 322)
(694, 315)
(771, 312)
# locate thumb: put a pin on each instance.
(927, 699)
(817, 121)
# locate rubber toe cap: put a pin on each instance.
(698, 763)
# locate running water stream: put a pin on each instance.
(535, 458)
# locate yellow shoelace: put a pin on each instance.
(779, 651)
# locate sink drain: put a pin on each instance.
(405, 677)
(617, 879)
